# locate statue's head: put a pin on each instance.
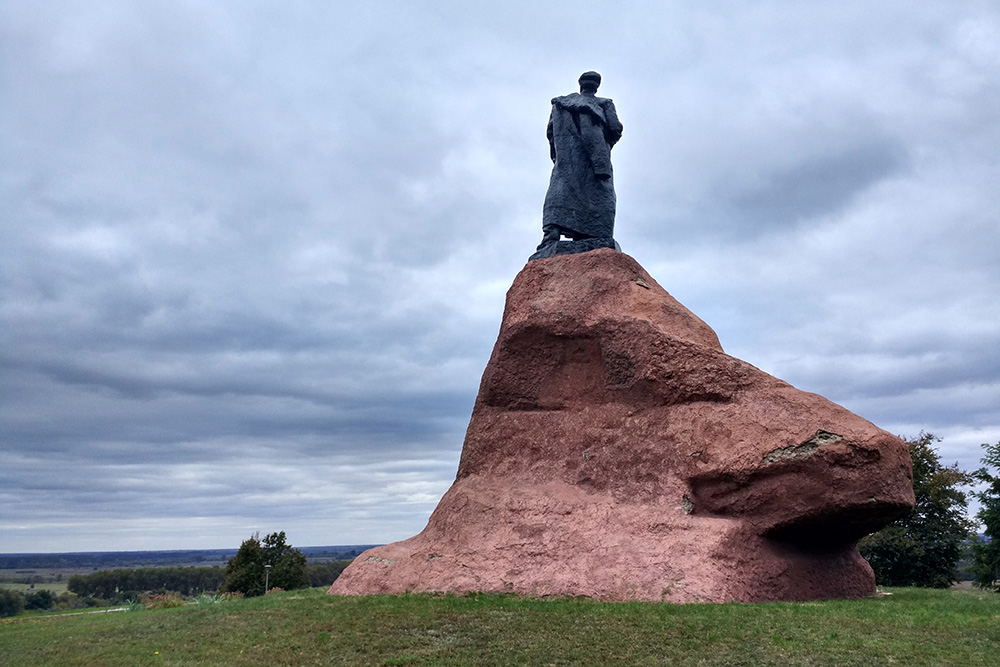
(590, 81)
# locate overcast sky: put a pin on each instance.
(254, 254)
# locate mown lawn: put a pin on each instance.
(908, 627)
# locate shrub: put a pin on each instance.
(11, 602)
(41, 600)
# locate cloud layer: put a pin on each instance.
(253, 257)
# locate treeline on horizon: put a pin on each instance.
(127, 584)
(104, 560)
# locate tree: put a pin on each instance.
(326, 573)
(11, 602)
(126, 584)
(986, 552)
(288, 565)
(923, 547)
(245, 572)
(42, 599)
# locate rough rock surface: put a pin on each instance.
(615, 451)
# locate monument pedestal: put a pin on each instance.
(573, 247)
(615, 451)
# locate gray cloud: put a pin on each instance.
(254, 258)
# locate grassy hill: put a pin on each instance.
(908, 627)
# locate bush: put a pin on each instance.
(11, 602)
(40, 600)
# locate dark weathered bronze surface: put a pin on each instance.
(580, 202)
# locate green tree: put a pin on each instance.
(986, 552)
(923, 547)
(326, 573)
(42, 599)
(245, 572)
(11, 602)
(288, 565)
(125, 584)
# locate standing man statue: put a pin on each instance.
(580, 203)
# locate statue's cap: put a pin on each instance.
(591, 76)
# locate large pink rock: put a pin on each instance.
(615, 451)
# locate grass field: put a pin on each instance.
(56, 587)
(51, 579)
(908, 627)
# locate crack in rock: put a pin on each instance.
(806, 449)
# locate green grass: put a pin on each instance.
(910, 627)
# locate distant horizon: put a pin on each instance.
(11, 543)
(145, 551)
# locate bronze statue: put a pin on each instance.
(580, 203)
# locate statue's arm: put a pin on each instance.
(612, 127)
(548, 133)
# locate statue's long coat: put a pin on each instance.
(581, 197)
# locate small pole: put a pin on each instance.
(267, 576)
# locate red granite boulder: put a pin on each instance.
(615, 451)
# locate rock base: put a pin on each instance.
(615, 451)
(573, 247)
